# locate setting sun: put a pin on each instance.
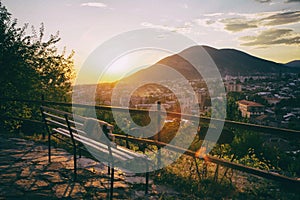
(131, 63)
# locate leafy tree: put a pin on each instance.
(233, 112)
(30, 66)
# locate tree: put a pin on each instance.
(233, 112)
(31, 66)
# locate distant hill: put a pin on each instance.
(228, 61)
(295, 63)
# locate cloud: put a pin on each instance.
(213, 14)
(263, 1)
(272, 37)
(290, 1)
(240, 22)
(185, 28)
(287, 1)
(94, 4)
(282, 18)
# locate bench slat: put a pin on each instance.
(96, 145)
(55, 117)
(116, 150)
(73, 126)
(58, 112)
(56, 123)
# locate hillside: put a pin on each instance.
(228, 61)
(295, 63)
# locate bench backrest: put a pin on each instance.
(76, 124)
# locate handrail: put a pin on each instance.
(229, 123)
(236, 166)
(265, 174)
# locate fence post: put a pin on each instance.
(158, 138)
(43, 99)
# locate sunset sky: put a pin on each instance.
(269, 29)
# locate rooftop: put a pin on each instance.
(250, 103)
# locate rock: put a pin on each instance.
(53, 177)
(26, 172)
(54, 166)
(25, 184)
(97, 183)
(39, 184)
(120, 184)
(10, 176)
(73, 190)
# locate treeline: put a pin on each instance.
(31, 67)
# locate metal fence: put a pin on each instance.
(287, 133)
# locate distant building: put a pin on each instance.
(233, 87)
(272, 100)
(250, 109)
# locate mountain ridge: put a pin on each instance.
(228, 61)
(294, 63)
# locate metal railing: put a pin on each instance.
(293, 134)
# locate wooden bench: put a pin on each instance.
(79, 132)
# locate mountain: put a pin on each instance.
(234, 62)
(295, 63)
(228, 62)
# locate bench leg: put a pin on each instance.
(147, 183)
(49, 147)
(112, 183)
(75, 163)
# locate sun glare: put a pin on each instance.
(131, 63)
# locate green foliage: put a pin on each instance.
(258, 99)
(232, 110)
(190, 179)
(247, 148)
(30, 67)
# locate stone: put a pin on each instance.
(120, 184)
(39, 184)
(2, 167)
(95, 183)
(69, 164)
(73, 190)
(9, 175)
(86, 162)
(60, 158)
(25, 184)
(26, 172)
(39, 167)
(40, 159)
(54, 166)
(53, 177)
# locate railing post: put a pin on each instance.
(158, 138)
(43, 99)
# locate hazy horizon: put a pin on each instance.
(266, 29)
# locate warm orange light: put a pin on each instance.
(132, 62)
(201, 153)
